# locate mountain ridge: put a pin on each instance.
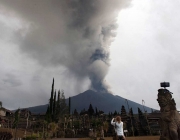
(103, 101)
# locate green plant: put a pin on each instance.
(33, 137)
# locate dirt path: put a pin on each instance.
(110, 138)
(69, 139)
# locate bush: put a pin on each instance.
(31, 137)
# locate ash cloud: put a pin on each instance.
(12, 80)
(75, 34)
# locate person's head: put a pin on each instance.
(118, 119)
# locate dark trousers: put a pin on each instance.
(120, 138)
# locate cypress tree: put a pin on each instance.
(143, 122)
(54, 106)
(123, 113)
(96, 112)
(63, 106)
(133, 121)
(16, 118)
(48, 115)
(75, 112)
(69, 105)
(58, 100)
(51, 99)
(115, 113)
(90, 110)
(58, 106)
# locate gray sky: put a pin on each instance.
(72, 42)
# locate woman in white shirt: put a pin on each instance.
(118, 124)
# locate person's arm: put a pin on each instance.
(112, 122)
(123, 127)
(123, 132)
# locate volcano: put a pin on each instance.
(102, 101)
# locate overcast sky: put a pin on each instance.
(129, 46)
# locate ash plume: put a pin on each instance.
(75, 34)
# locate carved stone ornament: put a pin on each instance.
(170, 118)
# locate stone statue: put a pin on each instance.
(170, 118)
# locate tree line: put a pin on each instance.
(57, 106)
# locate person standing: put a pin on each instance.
(118, 125)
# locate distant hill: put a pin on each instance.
(103, 101)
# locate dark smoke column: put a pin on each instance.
(96, 21)
(73, 34)
(99, 62)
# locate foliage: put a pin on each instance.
(75, 112)
(115, 113)
(33, 137)
(64, 109)
(144, 122)
(56, 108)
(90, 110)
(76, 124)
(106, 126)
(48, 115)
(53, 127)
(16, 118)
(51, 98)
(123, 112)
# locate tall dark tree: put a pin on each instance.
(83, 112)
(69, 105)
(123, 113)
(90, 110)
(96, 112)
(51, 99)
(143, 121)
(109, 115)
(54, 106)
(16, 120)
(125, 118)
(115, 113)
(58, 99)
(48, 115)
(58, 106)
(133, 122)
(64, 109)
(75, 112)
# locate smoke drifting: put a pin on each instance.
(75, 34)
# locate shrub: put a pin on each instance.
(31, 137)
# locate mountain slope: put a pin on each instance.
(103, 101)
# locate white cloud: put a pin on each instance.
(146, 51)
